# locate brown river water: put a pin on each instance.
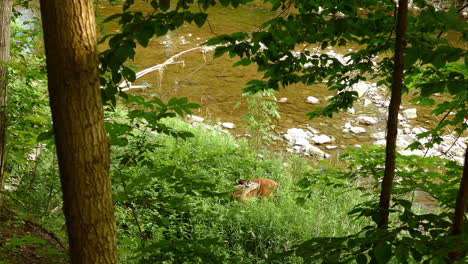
(217, 86)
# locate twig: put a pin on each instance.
(51, 234)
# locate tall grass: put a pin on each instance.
(191, 217)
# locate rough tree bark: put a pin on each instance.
(460, 207)
(392, 123)
(5, 19)
(80, 138)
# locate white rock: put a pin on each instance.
(407, 152)
(410, 113)
(380, 142)
(283, 100)
(404, 140)
(358, 130)
(351, 111)
(366, 120)
(357, 145)
(378, 135)
(347, 125)
(360, 87)
(314, 131)
(331, 147)
(418, 130)
(297, 132)
(312, 100)
(301, 142)
(459, 160)
(401, 118)
(194, 118)
(322, 139)
(407, 130)
(345, 130)
(367, 102)
(227, 125)
(314, 151)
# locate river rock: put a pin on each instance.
(312, 100)
(360, 87)
(407, 152)
(295, 133)
(380, 142)
(314, 151)
(358, 130)
(313, 130)
(301, 142)
(331, 147)
(367, 102)
(194, 118)
(418, 130)
(322, 139)
(378, 135)
(404, 140)
(410, 113)
(351, 111)
(227, 125)
(366, 120)
(283, 100)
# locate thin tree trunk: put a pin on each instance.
(392, 123)
(80, 138)
(5, 20)
(460, 206)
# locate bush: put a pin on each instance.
(174, 201)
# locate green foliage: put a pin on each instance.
(262, 111)
(31, 167)
(450, 81)
(173, 200)
(415, 234)
(370, 24)
(139, 27)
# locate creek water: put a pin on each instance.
(217, 86)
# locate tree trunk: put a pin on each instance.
(5, 19)
(392, 123)
(80, 138)
(460, 206)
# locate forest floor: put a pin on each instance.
(24, 241)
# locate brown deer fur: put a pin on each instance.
(254, 188)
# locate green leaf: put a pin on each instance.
(164, 4)
(402, 254)
(114, 16)
(219, 51)
(128, 74)
(383, 252)
(243, 62)
(200, 19)
(144, 33)
(45, 136)
(192, 105)
(361, 259)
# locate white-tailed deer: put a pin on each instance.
(254, 188)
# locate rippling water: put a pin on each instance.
(217, 86)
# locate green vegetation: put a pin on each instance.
(174, 199)
(172, 181)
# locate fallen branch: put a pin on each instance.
(126, 85)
